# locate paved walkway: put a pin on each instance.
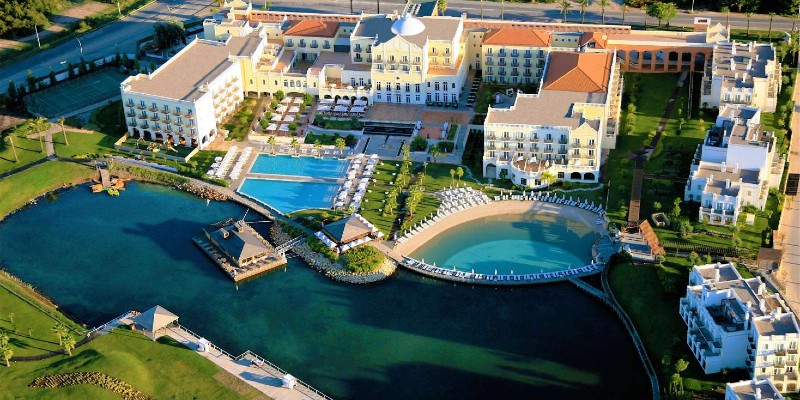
(788, 236)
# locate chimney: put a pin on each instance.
(727, 183)
(716, 274)
(761, 288)
(747, 317)
(723, 167)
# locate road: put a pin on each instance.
(122, 35)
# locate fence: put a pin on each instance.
(127, 314)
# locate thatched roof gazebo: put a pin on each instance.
(155, 319)
(347, 233)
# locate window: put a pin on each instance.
(378, 86)
(436, 84)
(416, 88)
(576, 152)
(560, 174)
(397, 86)
(408, 87)
(417, 98)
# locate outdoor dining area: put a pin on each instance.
(288, 112)
(342, 108)
(356, 181)
(348, 233)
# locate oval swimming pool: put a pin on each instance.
(522, 244)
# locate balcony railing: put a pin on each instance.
(528, 55)
(141, 106)
(326, 46)
(153, 109)
(176, 113)
(154, 118)
(131, 114)
(489, 62)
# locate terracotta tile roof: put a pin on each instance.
(578, 72)
(312, 28)
(517, 37)
(598, 38)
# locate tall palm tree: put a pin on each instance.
(295, 145)
(603, 5)
(6, 352)
(13, 147)
(459, 173)
(61, 331)
(727, 12)
(769, 32)
(69, 344)
(434, 152)
(565, 6)
(64, 132)
(623, 9)
(502, 9)
(452, 176)
(271, 143)
(583, 4)
(318, 147)
(339, 144)
(748, 15)
(547, 178)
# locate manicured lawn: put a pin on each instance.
(84, 143)
(109, 119)
(239, 122)
(30, 332)
(28, 151)
(20, 188)
(204, 158)
(164, 369)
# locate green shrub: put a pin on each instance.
(419, 143)
(362, 259)
(446, 146)
(316, 245)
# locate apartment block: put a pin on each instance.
(735, 323)
(742, 73)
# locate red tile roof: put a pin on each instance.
(313, 28)
(598, 38)
(517, 37)
(578, 72)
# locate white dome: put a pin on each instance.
(407, 26)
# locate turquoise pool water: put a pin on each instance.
(406, 338)
(290, 196)
(524, 244)
(299, 166)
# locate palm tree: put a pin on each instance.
(295, 145)
(318, 147)
(794, 21)
(502, 9)
(583, 4)
(727, 12)
(3, 338)
(623, 8)
(434, 152)
(565, 6)
(61, 331)
(13, 147)
(459, 173)
(271, 143)
(452, 176)
(64, 132)
(7, 352)
(69, 344)
(37, 127)
(603, 5)
(339, 143)
(748, 15)
(769, 32)
(547, 178)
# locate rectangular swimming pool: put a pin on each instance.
(299, 166)
(290, 196)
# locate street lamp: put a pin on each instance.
(80, 45)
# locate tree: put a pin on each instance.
(603, 5)
(459, 173)
(12, 92)
(583, 4)
(452, 176)
(279, 95)
(769, 32)
(441, 5)
(681, 365)
(61, 331)
(624, 9)
(271, 143)
(657, 206)
(727, 11)
(676, 385)
(748, 15)
(502, 9)
(267, 4)
(295, 145)
(676, 208)
(63, 131)
(31, 82)
(339, 144)
(434, 152)
(39, 125)
(167, 33)
(547, 178)
(565, 6)
(13, 147)
(69, 344)
(7, 352)
(318, 147)
(662, 11)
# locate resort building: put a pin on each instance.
(242, 244)
(752, 390)
(735, 166)
(742, 73)
(514, 55)
(735, 323)
(560, 130)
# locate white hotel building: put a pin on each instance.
(742, 73)
(735, 323)
(735, 166)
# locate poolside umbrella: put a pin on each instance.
(294, 109)
(288, 118)
(281, 109)
(276, 117)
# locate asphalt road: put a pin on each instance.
(122, 35)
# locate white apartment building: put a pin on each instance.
(735, 166)
(561, 129)
(735, 323)
(742, 73)
(752, 390)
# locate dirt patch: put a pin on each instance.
(8, 121)
(237, 385)
(440, 117)
(393, 112)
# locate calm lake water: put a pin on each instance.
(406, 338)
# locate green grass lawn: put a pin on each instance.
(30, 331)
(239, 123)
(163, 369)
(20, 188)
(28, 150)
(109, 119)
(84, 143)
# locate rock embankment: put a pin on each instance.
(330, 268)
(204, 192)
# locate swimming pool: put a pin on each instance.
(290, 196)
(299, 166)
(524, 244)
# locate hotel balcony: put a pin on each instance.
(488, 62)
(176, 113)
(548, 140)
(141, 106)
(142, 116)
(143, 125)
(514, 73)
(130, 114)
(153, 109)
(154, 118)
(501, 63)
(528, 55)
(166, 120)
(501, 53)
(314, 45)
(562, 141)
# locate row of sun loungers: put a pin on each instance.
(548, 198)
(358, 177)
(453, 200)
(237, 168)
(472, 276)
(221, 165)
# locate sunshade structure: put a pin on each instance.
(155, 319)
(347, 230)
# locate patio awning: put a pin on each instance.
(341, 109)
(357, 110)
(288, 118)
(360, 103)
(294, 109)
(276, 117)
(343, 102)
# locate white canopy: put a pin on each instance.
(284, 127)
(155, 318)
(326, 101)
(357, 109)
(341, 109)
(288, 381)
(294, 109)
(343, 102)
(272, 127)
(323, 108)
(288, 118)
(360, 103)
(281, 109)
(276, 117)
